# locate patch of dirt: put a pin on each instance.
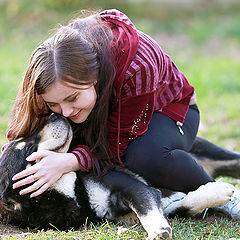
(6, 229)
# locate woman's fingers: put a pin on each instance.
(40, 176)
(27, 180)
(37, 185)
(25, 173)
(40, 185)
(33, 169)
(37, 155)
(40, 190)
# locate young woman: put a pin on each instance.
(126, 99)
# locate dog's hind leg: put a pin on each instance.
(210, 195)
(215, 160)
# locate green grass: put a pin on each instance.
(203, 41)
(218, 228)
(217, 84)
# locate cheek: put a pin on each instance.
(87, 100)
(93, 99)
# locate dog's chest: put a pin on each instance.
(66, 185)
(98, 197)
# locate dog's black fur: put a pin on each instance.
(80, 196)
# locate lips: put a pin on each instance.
(76, 115)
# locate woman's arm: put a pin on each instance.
(84, 157)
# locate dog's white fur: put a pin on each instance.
(66, 185)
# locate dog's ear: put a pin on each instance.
(30, 148)
(13, 159)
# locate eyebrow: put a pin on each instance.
(66, 98)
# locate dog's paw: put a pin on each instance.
(163, 233)
(156, 225)
(219, 193)
(210, 195)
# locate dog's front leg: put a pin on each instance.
(154, 223)
(142, 199)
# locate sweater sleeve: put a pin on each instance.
(84, 157)
(4, 147)
(8, 139)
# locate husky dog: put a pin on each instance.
(80, 195)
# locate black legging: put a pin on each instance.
(161, 154)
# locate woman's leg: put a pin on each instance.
(161, 154)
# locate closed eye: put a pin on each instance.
(51, 104)
(73, 99)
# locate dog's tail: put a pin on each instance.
(205, 149)
(217, 161)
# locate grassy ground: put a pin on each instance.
(204, 41)
(211, 228)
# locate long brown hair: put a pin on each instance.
(77, 53)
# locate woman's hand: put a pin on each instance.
(46, 172)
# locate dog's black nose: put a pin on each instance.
(54, 116)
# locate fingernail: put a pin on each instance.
(21, 193)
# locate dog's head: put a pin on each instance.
(54, 135)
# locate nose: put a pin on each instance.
(53, 117)
(66, 110)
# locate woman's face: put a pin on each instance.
(75, 104)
